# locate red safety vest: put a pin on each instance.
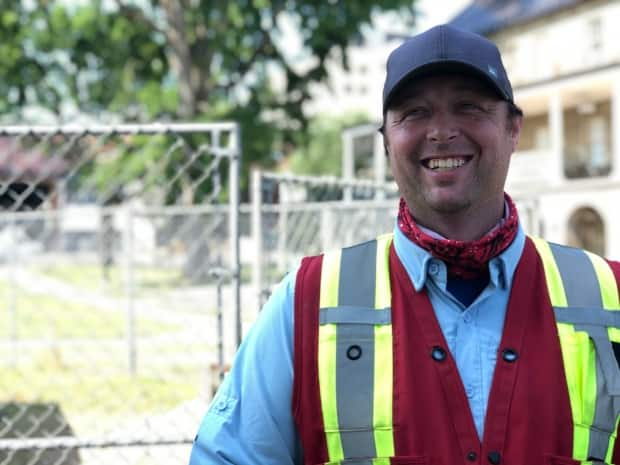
(529, 419)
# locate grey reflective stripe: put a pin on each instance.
(354, 388)
(585, 311)
(588, 316)
(358, 275)
(355, 315)
(578, 276)
(355, 378)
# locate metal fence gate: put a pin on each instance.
(119, 251)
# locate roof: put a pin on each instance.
(487, 16)
(18, 163)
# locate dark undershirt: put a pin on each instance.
(466, 290)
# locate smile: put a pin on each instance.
(445, 163)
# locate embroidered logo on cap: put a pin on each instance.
(493, 71)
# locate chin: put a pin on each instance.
(450, 206)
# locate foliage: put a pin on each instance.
(178, 60)
(321, 151)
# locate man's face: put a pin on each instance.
(449, 141)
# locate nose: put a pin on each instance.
(441, 128)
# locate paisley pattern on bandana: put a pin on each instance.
(464, 259)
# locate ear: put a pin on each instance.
(514, 131)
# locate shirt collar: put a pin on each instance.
(416, 260)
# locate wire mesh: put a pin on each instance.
(108, 302)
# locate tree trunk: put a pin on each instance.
(180, 57)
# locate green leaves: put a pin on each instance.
(164, 59)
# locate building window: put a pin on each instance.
(588, 140)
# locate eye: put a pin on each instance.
(414, 112)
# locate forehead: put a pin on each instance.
(444, 82)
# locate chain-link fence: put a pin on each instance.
(119, 283)
(295, 216)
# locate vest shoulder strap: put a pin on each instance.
(355, 351)
(584, 295)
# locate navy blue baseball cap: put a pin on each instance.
(445, 48)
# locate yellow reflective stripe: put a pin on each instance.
(552, 274)
(383, 378)
(580, 366)
(612, 442)
(330, 273)
(381, 461)
(330, 279)
(383, 292)
(327, 386)
(607, 281)
(382, 408)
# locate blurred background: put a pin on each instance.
(164, 163)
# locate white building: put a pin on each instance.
(563, 59)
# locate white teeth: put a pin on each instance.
(445, 163)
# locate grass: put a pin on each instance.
(92, 277)
(42, 317)
(83, 392)
(76, 354)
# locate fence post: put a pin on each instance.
(257, 236)
(128, 247)
(12, 291)
(348, 163)
(235, 161)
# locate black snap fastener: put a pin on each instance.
(438, 354)
(354, 352)
(509, 355)
(472, 456)
(494, 457)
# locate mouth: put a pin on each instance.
(446, 163)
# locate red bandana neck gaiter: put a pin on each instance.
(464, 259)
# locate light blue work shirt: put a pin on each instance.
(250, 421)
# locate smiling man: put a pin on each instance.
(455, 340)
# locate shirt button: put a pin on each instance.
(467, 317)
(438, 354)
(469, 391)
(433, 268)
(472, 456)
(494, 458)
